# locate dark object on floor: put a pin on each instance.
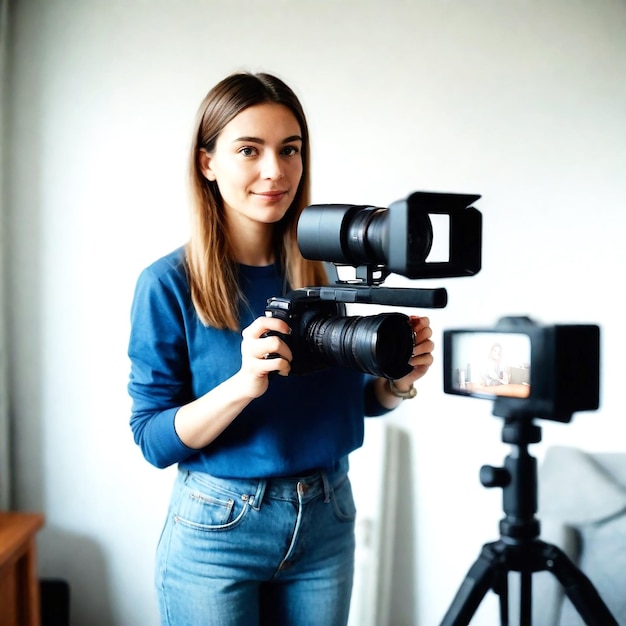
(55, 602)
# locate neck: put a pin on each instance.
(254, 248)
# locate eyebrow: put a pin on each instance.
(262, 141)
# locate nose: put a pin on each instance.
(271, 167)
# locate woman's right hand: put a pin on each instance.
(202, 420)
(263, 353)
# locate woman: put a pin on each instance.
(261, 522)
(495, 373)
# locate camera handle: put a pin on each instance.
(398, 296)
(519, 548)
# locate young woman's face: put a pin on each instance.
(257, 164)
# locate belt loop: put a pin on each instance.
(327, 487)
(257, 498)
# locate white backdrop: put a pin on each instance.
(522, 102)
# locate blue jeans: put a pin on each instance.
(275, 552)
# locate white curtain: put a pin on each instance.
(4, 419)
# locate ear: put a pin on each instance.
(204, 160)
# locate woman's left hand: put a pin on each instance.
(421, 360)
(422, 357)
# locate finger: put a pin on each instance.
(419, 371)
(421, 364)
(423, 347)
(279, 365)
(422, 335)
(422, 359)
(262, 325)
(418, 321)
(272, 363)
(273, 347)
(262, 364)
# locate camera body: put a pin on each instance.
(375, 242)
(321, 335)
(528, 369)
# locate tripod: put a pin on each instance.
(519, 548)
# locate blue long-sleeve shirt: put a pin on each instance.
(301, 422)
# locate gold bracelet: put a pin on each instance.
(405, 395)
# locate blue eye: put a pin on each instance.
(247, 151)
(290, 150)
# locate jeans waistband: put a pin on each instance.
(304, 487)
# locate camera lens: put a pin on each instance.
(378, 344)
(344, 233)
(367, 236)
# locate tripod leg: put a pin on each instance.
(501, 588)
(525, 616)
(478, 581)
(578, 588)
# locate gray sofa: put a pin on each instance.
(582, 509)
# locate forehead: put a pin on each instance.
(265, 121)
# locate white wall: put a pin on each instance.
(522, 102)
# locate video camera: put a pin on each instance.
(375, 242)
(529, 370)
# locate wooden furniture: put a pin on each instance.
(19, 585)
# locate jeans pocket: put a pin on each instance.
(207, 507)
(343, 501)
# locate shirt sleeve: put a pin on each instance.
(373, 408)
(160, 379)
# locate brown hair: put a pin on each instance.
(211, 267)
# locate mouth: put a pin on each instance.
(271, 194)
